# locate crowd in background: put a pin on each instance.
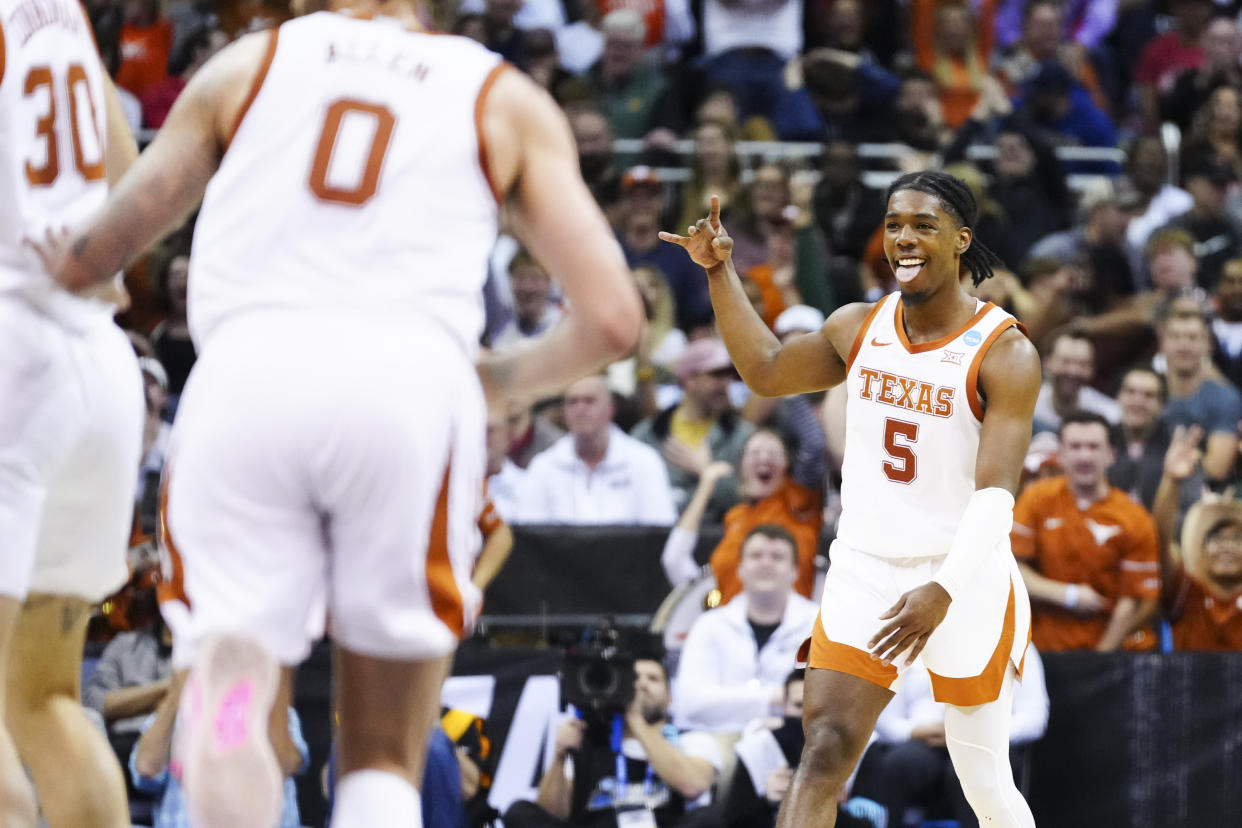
(1103, 142)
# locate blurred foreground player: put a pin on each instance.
(329, 449)
(70, 418)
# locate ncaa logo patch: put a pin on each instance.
(972, 338)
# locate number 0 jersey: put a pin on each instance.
(52, 123)
(912, 427)
(356, 179)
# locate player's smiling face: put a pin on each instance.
(923, 242)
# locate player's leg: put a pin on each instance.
(404, 496)
(839, 712)
(80, 557)
(38, 416)
(74, 770)
(245, 542)
(17, 802)
(978, 739)
(387, 709)
(971, 659)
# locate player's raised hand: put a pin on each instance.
(911, 621)
(708, 243)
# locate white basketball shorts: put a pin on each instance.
(986, 628)
(71, 414)
(324, 461)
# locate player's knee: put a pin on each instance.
(831, 747)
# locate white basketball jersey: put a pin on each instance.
(912, 427)
(52, 128)
(356, 181)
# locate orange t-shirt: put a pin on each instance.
(144, 55)
(764, 277)
(793, 506)
(959, 91)
(1112, 547)
(1202, 620)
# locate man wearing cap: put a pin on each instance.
(702, 428)
(1202, 573)
(1217, 235)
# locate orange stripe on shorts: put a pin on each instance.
(830, 655)
(985, 687)
(446, 601)
(172, 570)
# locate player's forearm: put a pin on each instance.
(1129, 616)
(984, 526)
(751, 345)
(495, 552)
(577, 346)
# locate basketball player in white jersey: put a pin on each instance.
(329, 448)
(70, 418)
(941, 389)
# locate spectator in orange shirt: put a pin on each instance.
(769, 496)
(1203, 573)
(1087, 552)
(146, 41)
(954, 46)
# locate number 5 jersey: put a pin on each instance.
(912, 428)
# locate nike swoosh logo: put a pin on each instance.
(877, 343)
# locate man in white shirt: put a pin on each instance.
(596, 474)
(736, 658)
(1068, 371)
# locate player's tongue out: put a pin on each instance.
(908, 267)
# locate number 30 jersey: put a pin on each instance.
(912, 424)
(356, 180)
(52, 128)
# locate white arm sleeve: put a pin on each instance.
(984, 526)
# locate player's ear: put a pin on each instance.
(964, 237)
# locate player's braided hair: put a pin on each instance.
(958, 200)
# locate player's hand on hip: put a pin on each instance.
(52, 249)
(707, 242)
(911, 621)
